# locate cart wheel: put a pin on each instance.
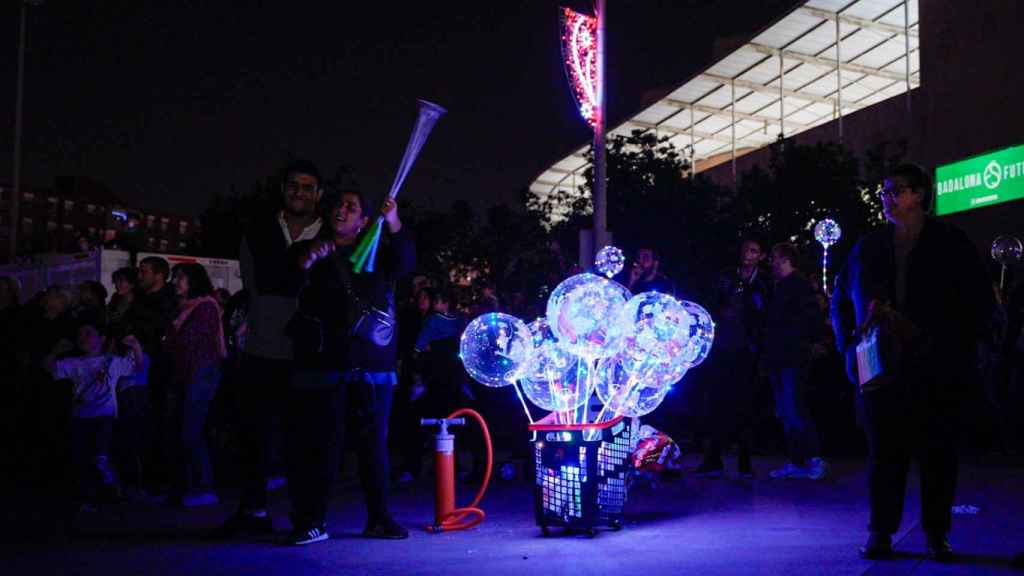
(590, 532)
(615, 525)
(545, 531)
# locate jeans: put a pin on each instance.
(90, 441)
(131, 435)
(192, 471)
(790, 387)
(316, 426)
(730, 404)
(262, 396)
(916, 415)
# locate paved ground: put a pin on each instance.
(686, 526)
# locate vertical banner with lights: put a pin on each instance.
(583, 60)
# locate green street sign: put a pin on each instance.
(984, 180)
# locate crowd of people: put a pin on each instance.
(128, 395)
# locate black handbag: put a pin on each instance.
(375, 326)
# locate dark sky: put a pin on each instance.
(168, 102)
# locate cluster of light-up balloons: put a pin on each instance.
(596, 337)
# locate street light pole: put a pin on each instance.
(15, 222)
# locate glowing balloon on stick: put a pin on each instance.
(1007, 251)
(827, 232)
(702, 335)
(609, 261)
(495, 349)
(629, 393)
(550, 380)
(582, 311)
(657, 329)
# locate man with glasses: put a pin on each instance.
(268, 275)
(921, 286)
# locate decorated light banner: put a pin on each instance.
(1007, 251)
(827, 232)
(365, 253)
(579, 57)
(609, 261)
(596, 337)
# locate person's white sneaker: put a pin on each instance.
(790, 470)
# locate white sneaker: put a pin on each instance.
(275, 483)
(818, 469)
(790, 470)
(303, 537)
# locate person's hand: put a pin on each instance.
(317, 249)
(635, 273)
(390, 212)
(131, 341)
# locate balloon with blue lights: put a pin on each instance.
(609, 261)
(595, 338)
(496, 348)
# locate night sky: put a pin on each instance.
(169, 102)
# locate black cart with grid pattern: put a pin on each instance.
(581, 473)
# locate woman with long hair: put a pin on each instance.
(195, 343)
(345, 357)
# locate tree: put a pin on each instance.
(652, 202)
(804, 184)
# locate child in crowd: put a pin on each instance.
(94, 375)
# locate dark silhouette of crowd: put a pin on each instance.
(172, 390)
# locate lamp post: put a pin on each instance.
(13, 225)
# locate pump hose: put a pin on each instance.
(457, 520)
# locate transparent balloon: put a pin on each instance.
(630, 393)
(582, 312)
(1007, 250)
(657, 330)
(551, 380)
(827, 232)
(609, 261)
(496, 349)
(702, 335)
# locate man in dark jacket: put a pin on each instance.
(153, 309)
(924, 276)
(738, 306)
(268, 273)
(794, 326)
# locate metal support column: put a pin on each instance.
(906, 44)
(732, 109)
(693, 147)
(839, 81)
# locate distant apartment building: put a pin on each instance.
(78, 214)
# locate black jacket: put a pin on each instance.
(949, 297)
(275, 273)
(738, 307)
(793, 322)
(149, 317)
(325, 296)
